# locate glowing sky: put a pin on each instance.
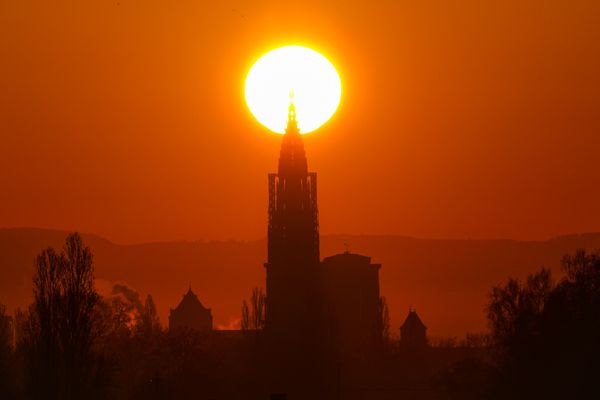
(469, 119)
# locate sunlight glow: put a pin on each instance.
(299, 70)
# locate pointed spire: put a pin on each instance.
(292, 123)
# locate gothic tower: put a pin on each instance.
(293, 239)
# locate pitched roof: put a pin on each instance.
(412, 321)
(190, 300)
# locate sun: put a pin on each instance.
(307, 75)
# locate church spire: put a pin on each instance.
(292, 123)
(293, 236)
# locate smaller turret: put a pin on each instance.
(190, 314)
(413, 334)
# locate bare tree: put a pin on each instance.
(253, 316)
(385, 332)
(59, 332)
(147, 323)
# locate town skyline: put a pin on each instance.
(299, 200)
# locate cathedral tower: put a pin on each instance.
(293, 237)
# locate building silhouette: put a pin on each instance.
(413, 332)
(293, 239)
(334, 301)
(350, 290)
(190, 314)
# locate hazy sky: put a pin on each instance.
(463, 119)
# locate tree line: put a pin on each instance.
(72, 343)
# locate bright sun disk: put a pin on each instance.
(312, 79)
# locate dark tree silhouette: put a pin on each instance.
(7, 357)
(59, 333)
(384, 328)
(253, 316)
(147, 323)
(572, 328)
(120, 316)
(547, 335)
(515, 310)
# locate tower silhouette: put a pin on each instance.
(316, 311)
(293, 238)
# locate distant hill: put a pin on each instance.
(447, 281)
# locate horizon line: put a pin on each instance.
(329, 234)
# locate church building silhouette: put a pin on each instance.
(337, 298)
(331, 304)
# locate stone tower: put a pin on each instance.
(293, 239)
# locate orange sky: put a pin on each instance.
(464, 120)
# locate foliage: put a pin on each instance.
(443, 342)
(475, 341)
(74, 344)
(7, 359)
(515, 310)
(59, 333)
(466, 379)
(147, 322)
(546, 335)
